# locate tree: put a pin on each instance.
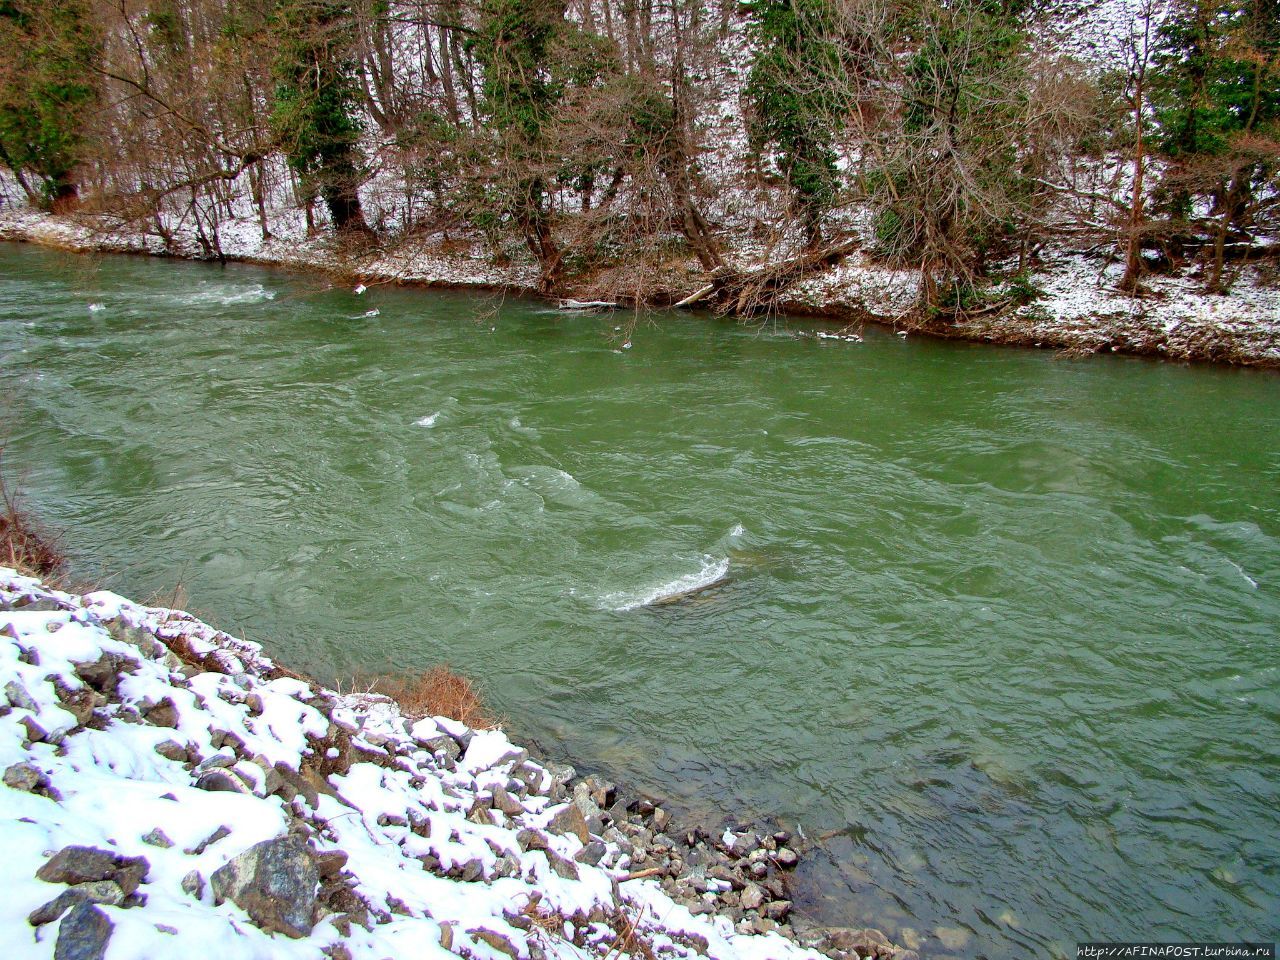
(314, 103)
(793, 107)
(513, 44)
(46, 93)
(946, 131)
(1216, 94)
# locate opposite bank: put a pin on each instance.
(1075, 305)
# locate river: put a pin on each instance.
(1001, 628)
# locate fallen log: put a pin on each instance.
(746, 291)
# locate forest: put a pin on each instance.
(693, 151)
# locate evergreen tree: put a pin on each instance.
(514, 45)
(792, 95)
(46, 92)
(314, 107)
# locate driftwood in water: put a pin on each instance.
(682, 595)
(747, 291)
(587, 305)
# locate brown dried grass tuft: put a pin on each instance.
(438, 692)
(25, 545)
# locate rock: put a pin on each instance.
(495, 940)
(210, 840)
(330, 863)
(221, 760)
(274, 882)
(101, 891)
(79, 702)
(778, 910)
(221, 781)
(953, 938)
(468, 872)
(583, 800)
(865, 942)
(724, 874)
(752, 897)
(158, 838)
(163, 714)
(571, 820)
(661, 819)
(505, 867)
(19, 697)
(592, 853)
(172, 750)
(30, 779)
(445, 745)
(786, 858)
(56, 907)
(74, 864)
(529, 839)
(602, 792)
(83, 934)
(561, 866)
(506, 803)
(103, 674)
(193, 884)
(35, 732)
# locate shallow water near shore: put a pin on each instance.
(1002, 629)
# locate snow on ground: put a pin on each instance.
(169, 792)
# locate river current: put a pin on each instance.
(1001, 629)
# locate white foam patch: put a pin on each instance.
(712, 569)
(428, 421)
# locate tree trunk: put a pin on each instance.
(1131, 282)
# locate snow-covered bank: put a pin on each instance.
(169, 791)
(1081, 310)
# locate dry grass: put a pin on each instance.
(24, 545)
(438, 692)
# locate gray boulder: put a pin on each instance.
(83, 934)
(274, 882)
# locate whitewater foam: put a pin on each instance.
(428, 421)
(712, 569)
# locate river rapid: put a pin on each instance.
(1001, 629)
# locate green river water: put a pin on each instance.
(1002, 628)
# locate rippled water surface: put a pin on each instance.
(1002, 629)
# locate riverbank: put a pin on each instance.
(1076, 307)
(170, 789)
